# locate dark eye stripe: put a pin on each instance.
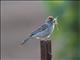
(51, 18)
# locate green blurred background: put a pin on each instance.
(66, 37)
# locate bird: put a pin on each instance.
(44, 31)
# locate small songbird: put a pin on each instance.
(44, 31)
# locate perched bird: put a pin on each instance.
(44, 31)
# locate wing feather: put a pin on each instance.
(41, 28)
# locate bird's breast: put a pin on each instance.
(51, 28)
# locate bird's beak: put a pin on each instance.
(56, 21)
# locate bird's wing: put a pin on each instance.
(40, 29)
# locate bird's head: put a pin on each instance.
(52, 19)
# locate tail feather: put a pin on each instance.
(25, 41)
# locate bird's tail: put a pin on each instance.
(24, 41)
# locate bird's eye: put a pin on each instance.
(50, 19)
